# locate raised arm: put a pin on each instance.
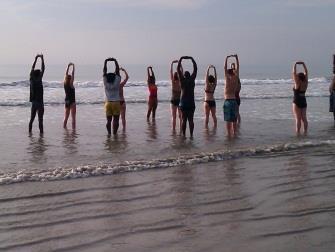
(226, 65)
(34, 64)
(117, 67)
(152, 73)
(105, 66)
(72, 75)
(180, 69)
(237, 65)
(195, 68)
(171, 68)
(305, 69)
(294, 72)
(67, 69)
(43, 65)
(126, 77)
(215, 75)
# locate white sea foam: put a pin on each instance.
(84, 171)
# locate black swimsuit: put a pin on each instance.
(299, 98)
(70, 95)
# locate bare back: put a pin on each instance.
(230, 86)
(300, 85)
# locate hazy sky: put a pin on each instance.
(262, 32)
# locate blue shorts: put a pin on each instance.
(230, 110)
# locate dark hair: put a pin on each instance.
(68, 78)
(301, 76)
(187, 74)
(230, 71)
(211, 79)
(110, 77)
(151, 80)
(175, 76)
(36, 73)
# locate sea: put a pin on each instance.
(148, 188)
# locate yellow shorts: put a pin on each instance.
(112, 108)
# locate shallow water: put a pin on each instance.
(150, 190)
(282, 200)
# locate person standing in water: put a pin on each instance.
(112, 92)
(209, 104)
(187, 104)
(299, 101)
(70, 97)
(237, 95)
(175, 97)
(230, 107)
(332, 91)
(36, 94)
(152, 101)
(122, 100)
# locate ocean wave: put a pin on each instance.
(161, 83)
(144, 100)
(84, 171)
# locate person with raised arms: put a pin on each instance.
(299, 101)
(237, 95)
(36, 93)
(122, 100)
(112, 95)
(332, 91)
(70, 97)
(230, 107)
(152, 87)
(187, 103)
(209, 104)
(175, 97)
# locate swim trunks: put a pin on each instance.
(112, 108)
(230, 110)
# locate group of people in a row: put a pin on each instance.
(182, 97)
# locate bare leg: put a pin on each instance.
(123, 115)
(173, 117)
(213, 112)
(230, 129)
(238, 116)
(73, 115)
(149, 111)
(207, 110)
(304, 119)
(154, 111)
(297, 115)
(66, 117)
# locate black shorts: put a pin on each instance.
(211, 104)
(175, 102)
(37, 105)
(68, 103)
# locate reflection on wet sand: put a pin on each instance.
(117, 143)
(37, 149)
(70, 141)
(152, 130)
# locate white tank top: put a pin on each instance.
(112, 90)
